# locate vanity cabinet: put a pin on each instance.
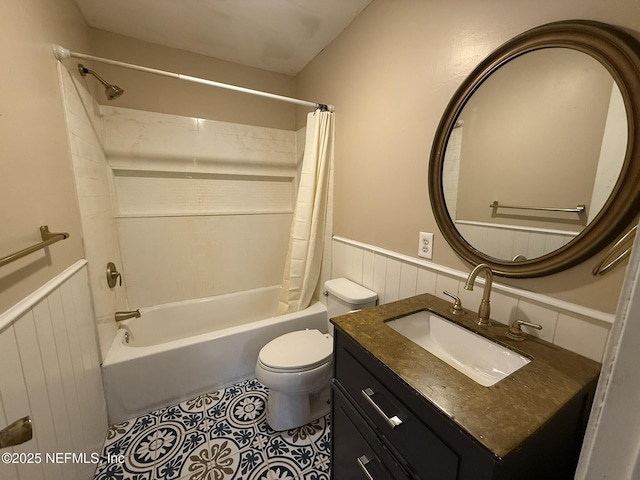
(383, 428)
(360, 452)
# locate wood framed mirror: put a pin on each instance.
(539, 147)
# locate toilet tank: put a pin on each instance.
(344, 296)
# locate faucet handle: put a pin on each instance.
(456, 308)
(515, 329)
(113, 275)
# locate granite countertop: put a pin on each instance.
(500, 417)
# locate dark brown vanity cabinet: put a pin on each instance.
(360, 452)
(383, 429)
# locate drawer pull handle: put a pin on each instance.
(363, 461)
(393, 422)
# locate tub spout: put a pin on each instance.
(120, 316)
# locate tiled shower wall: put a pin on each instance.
(203, 207)
(394, 276)
(184, 207)
(100, 238)
(51, 371)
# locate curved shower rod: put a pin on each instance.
(62, 53)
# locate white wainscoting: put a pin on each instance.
(395, 276)
(51, 371)
(507, 241)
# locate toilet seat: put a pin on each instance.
(297, 351)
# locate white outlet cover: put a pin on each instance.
(425, 245)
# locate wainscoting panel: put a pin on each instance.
(395, 276)
(507, 241)
(51, 371)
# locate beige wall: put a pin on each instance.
(390, 75)
(36, 178)
(154, 93)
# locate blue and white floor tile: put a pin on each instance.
(221, 435)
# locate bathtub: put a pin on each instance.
(177, 351)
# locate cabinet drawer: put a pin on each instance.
(356, 451)
(422, 450)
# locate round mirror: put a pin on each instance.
(552, 110)
(533, 165)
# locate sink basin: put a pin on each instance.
(477, 357)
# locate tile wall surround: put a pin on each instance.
(211, 202)
(141, 141)
(51, 371)
(161, 192)
(395, 276)
(86, 138)
(188, 257)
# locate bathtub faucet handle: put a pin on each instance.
(113, 275)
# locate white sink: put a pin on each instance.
(478, 358)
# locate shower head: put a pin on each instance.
(111, 91)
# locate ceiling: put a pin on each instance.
(275, 35)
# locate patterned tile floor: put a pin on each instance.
(221, 435)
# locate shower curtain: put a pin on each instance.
(308, 228)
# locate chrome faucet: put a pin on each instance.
(120, 316)
(485, 306)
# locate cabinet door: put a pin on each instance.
(356, 451)
(424, 452)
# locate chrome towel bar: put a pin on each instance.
(579, 209)
(47, 239)
(601, 268)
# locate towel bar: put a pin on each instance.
(579, 209)
(47, 239)
(601, 268)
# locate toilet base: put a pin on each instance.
(286, 411)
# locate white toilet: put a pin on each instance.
(297, 366)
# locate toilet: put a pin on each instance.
(297, 366)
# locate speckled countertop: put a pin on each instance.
(500, 417)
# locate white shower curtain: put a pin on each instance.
(306, 240)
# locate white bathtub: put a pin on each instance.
(179, 350)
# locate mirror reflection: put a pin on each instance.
(547, 130)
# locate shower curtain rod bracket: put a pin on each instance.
(60, 52)
(325, 108)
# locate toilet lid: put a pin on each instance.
(304, 349)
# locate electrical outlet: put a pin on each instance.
(425, 247)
